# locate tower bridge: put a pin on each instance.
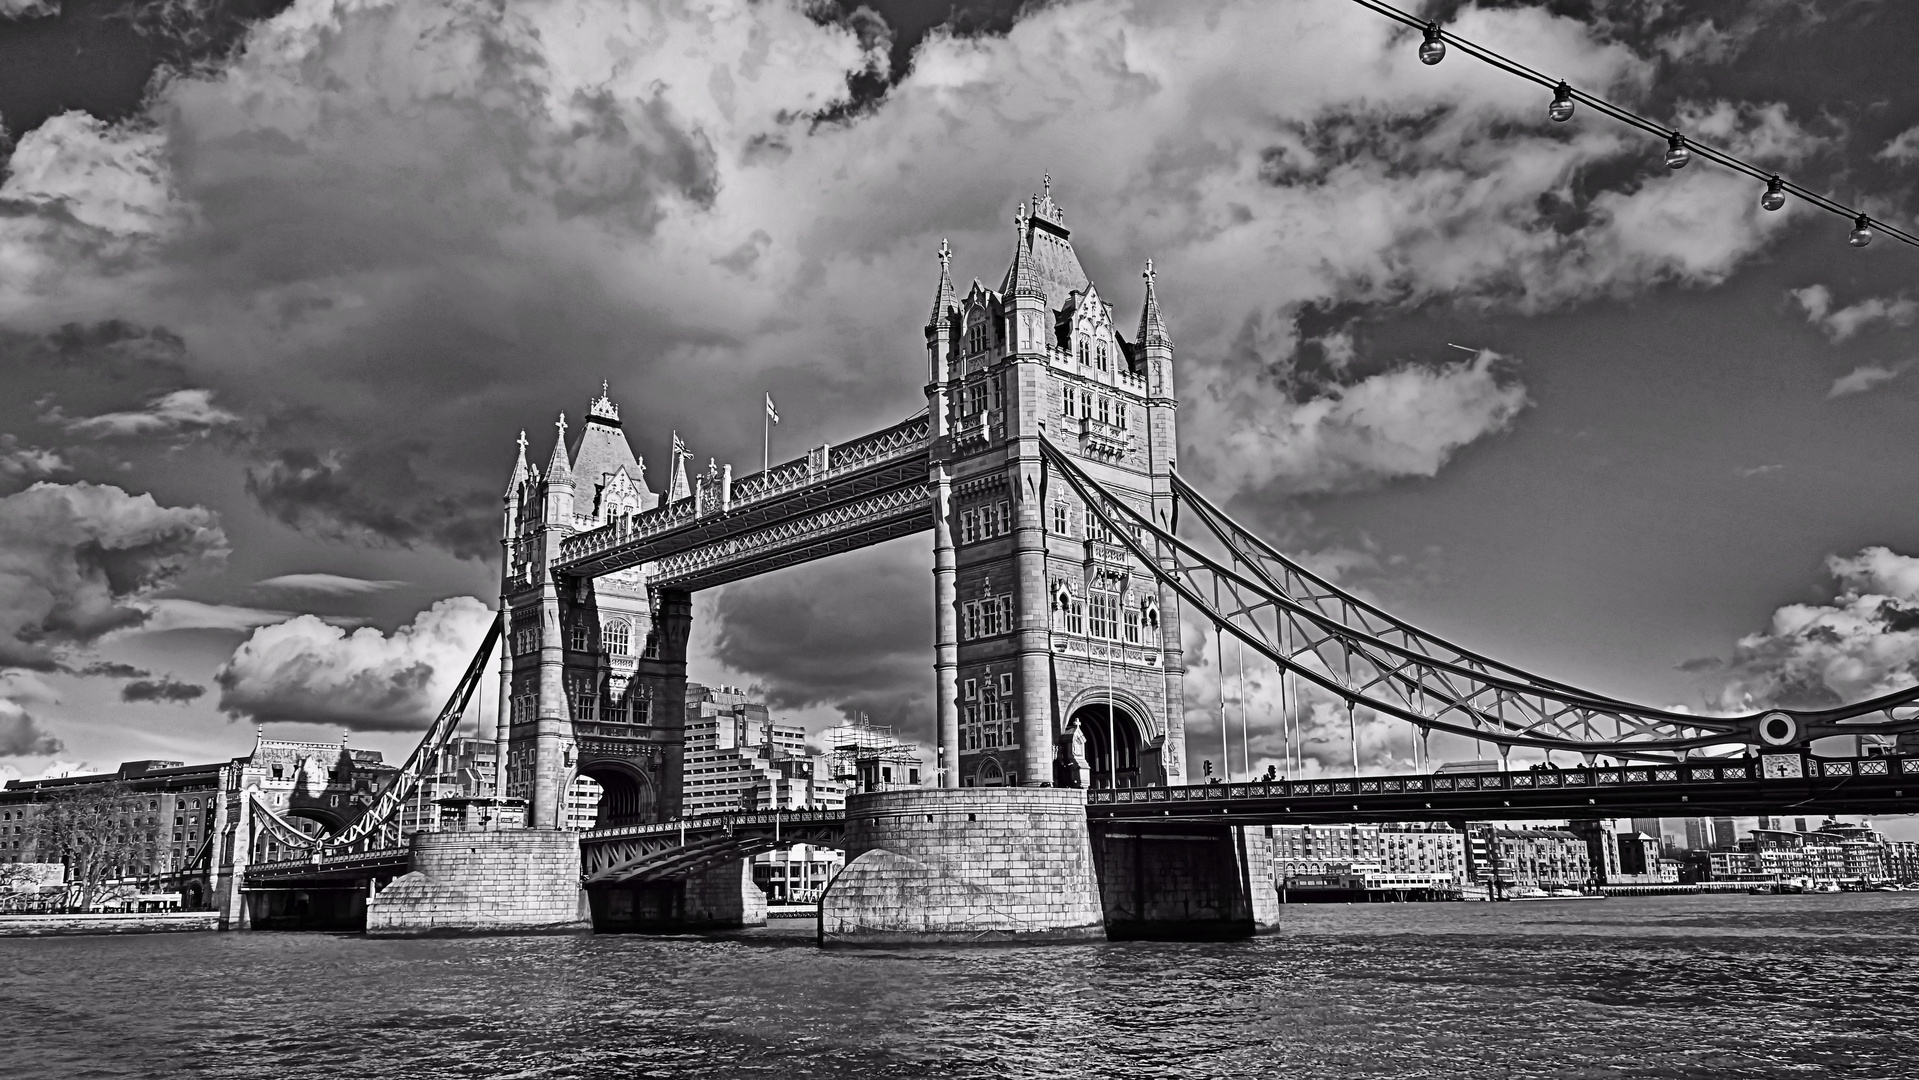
(1067, 554)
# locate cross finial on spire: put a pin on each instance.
(561, 424)
(603, 388)
(522, 442)
(1046, 183)
(946, 254)
(1148, 275)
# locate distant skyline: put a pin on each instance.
(281, 284)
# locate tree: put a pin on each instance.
(100, 832)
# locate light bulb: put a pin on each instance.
(1861, 231)
(1432, 50)
(1561, 110)
(1676, 153)
(1774, 198)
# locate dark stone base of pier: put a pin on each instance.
(721, 898)
(1185, 881)
(515, 881)
(309, 908)
(964, 865)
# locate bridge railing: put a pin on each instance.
(1781, 767)
(903, 439)
(322, 863)
(709, 822)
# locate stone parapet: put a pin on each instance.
(515, 881)
(952, 865)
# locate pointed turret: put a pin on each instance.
(677, 487)
(557, 487)
(520, 469)
(943, 301)
(1152, 330)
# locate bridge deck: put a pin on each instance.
(1879, 785)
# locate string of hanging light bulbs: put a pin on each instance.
(1679, 149)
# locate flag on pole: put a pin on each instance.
(772, 413)
(679, 447)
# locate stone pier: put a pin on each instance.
(723, 897)
(509, 881)
(964, 865)
(1186, 880)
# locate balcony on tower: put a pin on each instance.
(1103, 440)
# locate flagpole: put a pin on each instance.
(766, 442)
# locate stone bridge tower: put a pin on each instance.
(592, 670)
(1059, 658)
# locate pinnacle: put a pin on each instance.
(943, 302)
(1152, 328)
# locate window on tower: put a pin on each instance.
(617, 636)
(578, 637)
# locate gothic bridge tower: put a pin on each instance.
(593, 670)
(1059, 658)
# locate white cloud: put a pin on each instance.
(1842, 323)
(1864, 378)
(305, 670)
(77, 561)
(1405, 422)
(29, 9)
(1903, 146)
(325, 584)
(177, 614)
(1705, 42)
(188, 411)
(28, 462)
(1862, 643)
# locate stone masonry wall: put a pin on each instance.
(506, 882)
(964, 865)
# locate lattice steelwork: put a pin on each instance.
(678, 848)
(826, 476)
(1366, 657)
(380, 823)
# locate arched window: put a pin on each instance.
(616, 635)
(1082, 350)
(1102, 358)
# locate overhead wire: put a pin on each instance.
(1773, 180)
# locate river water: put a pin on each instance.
(1688, 986)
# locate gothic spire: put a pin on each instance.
(677, 488)
(943, 302)
(520, 469)
(1152, 330)
(558, 468)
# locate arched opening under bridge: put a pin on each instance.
(627, 794)
(1103, 738)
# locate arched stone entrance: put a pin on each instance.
(1103, 740)
(628, 796)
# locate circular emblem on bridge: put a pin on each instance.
(1778, 729)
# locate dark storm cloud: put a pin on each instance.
(21, 734)
(854, 632)
(376, 495)
(74, 559)
(164, 690)
(110, 669)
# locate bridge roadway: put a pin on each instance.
(1700, 788)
